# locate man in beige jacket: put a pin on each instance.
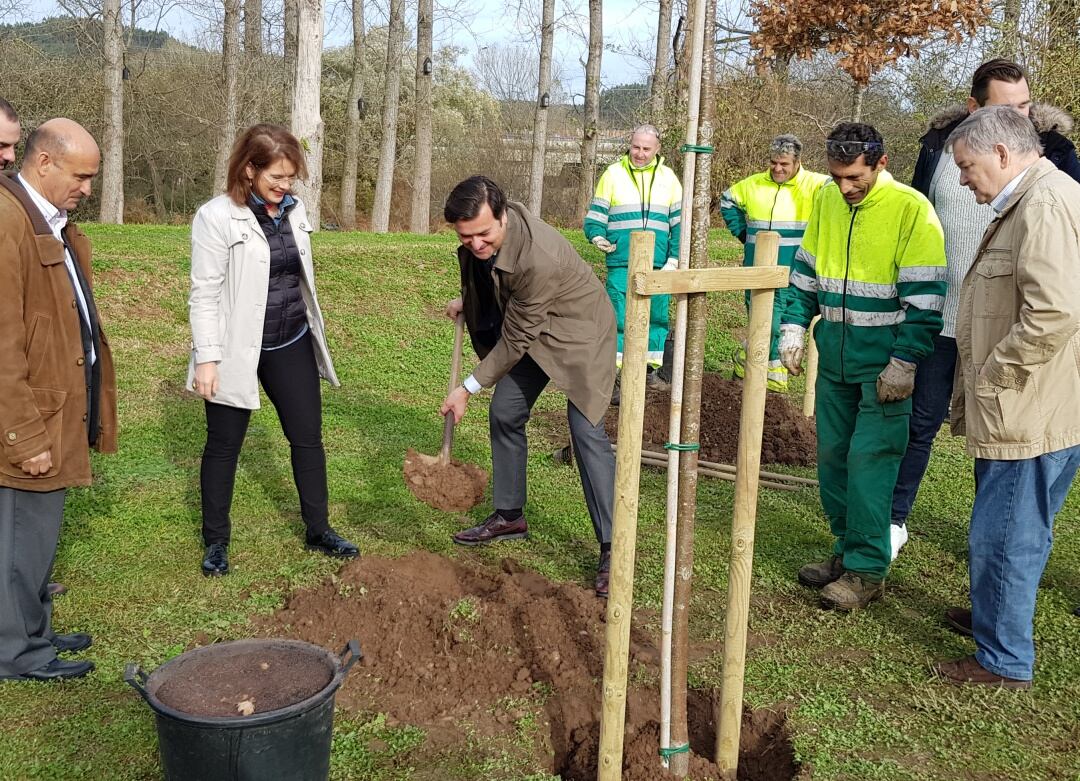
(1018, 379)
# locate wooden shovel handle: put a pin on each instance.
(455, 379)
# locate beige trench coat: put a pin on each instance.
(230, 276)
(1017, 388)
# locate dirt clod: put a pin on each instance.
(455, 648)
(787, 438)
(454, 487)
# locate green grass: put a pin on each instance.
(863, 705)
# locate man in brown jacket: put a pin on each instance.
(535, 312)
(1017, 382)
(57, 388)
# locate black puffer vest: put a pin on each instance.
(286, 314)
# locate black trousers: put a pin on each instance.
(290, 378)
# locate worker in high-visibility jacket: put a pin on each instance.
(779, 199)
(637, 193)
(872, 264)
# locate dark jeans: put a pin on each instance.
(291, 380)
(929, 407)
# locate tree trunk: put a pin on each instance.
(347, 212)
(543, 98)
(253, 28)
(291, 14)
(420, 219)
(1010, 30)
(158, 189)
(591, 118)
(384, 182)
(112, 139)
(306, 121)
(662, 66)
(696, 315)
(858, 92)
(230, 65)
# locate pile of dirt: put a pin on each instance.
(262, 680)
(447, 644)
(787, 438)
(453, 487)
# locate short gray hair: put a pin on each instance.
(646, 130)
(993, 125)
(786, 144)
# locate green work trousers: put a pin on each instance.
(658, 313)
(860, 445)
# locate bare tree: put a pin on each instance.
(306, 121)
(112, 139)
(591, 119)
(253, 28)
(662, 67)
(420, 219)
(230, 65)
(291, 10)
(507, 72)
(347, 212)
(384, 181)
(543, 100)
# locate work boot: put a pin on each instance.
(666, 370)
(958, 619)
(603, 574)
(822, 573)
(616, 391)
(968, 670)
(493, 529)
(850, 592)
(652, 379)
(563, 456)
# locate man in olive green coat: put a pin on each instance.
(535, 312)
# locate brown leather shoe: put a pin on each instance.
(850, 592)
(822, 573)
(56, 589)
(603, 575)
(968, 670)
(958, 619)
(493, 529)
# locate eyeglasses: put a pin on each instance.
(276, 180)
(853, 148)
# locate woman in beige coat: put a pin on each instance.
(255, 320)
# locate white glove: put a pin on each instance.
(671, 265)
(603, 245)
(791, 347)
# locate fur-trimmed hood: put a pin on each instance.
(1045, 117)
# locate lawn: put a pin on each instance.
(862, 703)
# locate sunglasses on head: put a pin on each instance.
(848, 148)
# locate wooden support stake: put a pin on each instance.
(709, 280)
(729, 721)
(810, 395)
(624, 533)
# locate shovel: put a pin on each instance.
(439, 481)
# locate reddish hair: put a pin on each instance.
(261, 146)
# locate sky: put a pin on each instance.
(488, 22)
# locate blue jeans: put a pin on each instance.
(1009, 543)
(929, 406)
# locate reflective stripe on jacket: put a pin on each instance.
(875, 273)
(631, 199)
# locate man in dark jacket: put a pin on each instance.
(536, 313)
(994, 83)
(57, 389)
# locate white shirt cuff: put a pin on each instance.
(471, 385)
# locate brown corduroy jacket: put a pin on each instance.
(43, 394)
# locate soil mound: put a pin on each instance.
(787, 438)
(454, 487)
(263, 680)
(447, 644)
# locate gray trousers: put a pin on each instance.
(29, 531)
(511, 405)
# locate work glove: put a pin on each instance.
(603, 245)
(671, 265)
(897, 381)
(792, 345)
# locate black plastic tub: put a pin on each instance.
(287, 744)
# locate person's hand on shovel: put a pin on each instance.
(455, 402)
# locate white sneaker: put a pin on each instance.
(899, 538)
